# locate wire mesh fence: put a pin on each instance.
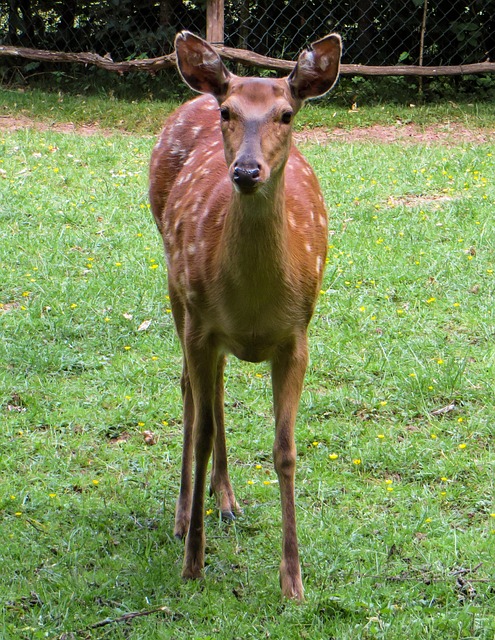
(377, 32)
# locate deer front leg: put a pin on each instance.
(183, 508)
(201, 362)
(288, 369)
(220, 482)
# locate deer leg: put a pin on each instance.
(202, 363)
(220, 484)
(288, 369)
(183, 508)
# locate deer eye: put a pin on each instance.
(286, 117)
(225, 114)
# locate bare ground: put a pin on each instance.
(451, 133)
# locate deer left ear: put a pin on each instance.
(317, 68)
(200, 65)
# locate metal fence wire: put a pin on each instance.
(375, 32)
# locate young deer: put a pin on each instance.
(245, 233)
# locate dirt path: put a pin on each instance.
(451, 133)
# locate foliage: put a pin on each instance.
(375, 32)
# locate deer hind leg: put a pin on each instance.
(220, 485)
(288, 369)
(202, 364)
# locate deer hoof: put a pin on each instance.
(189, 573)
(192, 569)
(181, 527)
(291, 585)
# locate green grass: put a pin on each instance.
(146, 115)
(395, 503)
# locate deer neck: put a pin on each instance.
(255, 235)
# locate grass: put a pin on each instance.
(146, 115)
(395, 484)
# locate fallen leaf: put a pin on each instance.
(442, 410)
(149, 437)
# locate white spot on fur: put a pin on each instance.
(309, 248)
(323, 221)
(191, 249)
(185, 177)
(319, 264)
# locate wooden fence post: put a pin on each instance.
(215, 21)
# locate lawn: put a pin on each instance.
(395, 437)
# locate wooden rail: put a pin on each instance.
(241, 56)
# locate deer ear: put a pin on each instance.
(317, 68)
(200, 65)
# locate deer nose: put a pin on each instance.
(246, 176)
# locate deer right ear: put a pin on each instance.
(317, 68)
(200, 65)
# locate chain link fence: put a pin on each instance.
(375, 32)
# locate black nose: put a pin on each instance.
(246, 177)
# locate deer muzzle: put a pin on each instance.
(246, 176)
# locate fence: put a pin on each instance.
(375, 32)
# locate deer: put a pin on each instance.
(244, 228)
